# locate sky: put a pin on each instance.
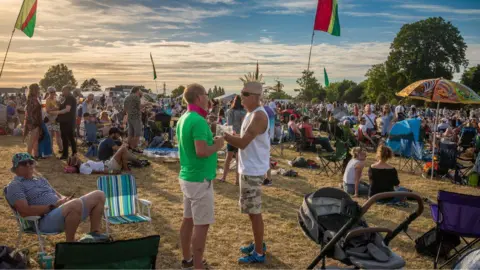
(213, 42)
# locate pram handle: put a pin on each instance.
(394, 194)
(360, 231)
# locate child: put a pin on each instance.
(90, 166)
(353, 173)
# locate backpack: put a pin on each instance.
(11, 259)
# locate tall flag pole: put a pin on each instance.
(26, 20)
(154, 73)
(326, 20)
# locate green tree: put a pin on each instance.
(91, 85)
(471, 78)
(210, 93)
(178, 91)
(354, 93)
(309, 87)
(279, 95)
(425, 49)
(376, 83)
(58, 76)
(336, 91)
(215, 91)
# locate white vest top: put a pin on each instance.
(349, 175)
(254, 160)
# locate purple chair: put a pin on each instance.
(457, 214)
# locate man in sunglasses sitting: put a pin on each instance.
(34, 196)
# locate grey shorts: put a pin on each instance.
(134, 128)
(54, 221)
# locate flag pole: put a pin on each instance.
(10, 42)
(310, 54)
(6, 53)
(156, 86)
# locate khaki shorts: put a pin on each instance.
(134, 128)
(198, 201)
(251, 194)
(113, 165)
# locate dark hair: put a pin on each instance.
(305, 118)
(237, 103)
(221, 113)
(292, 117)
(135, 90)
(86, 115)
(114, 130)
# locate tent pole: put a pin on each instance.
(434, 138)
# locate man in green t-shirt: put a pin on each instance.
(198, 161)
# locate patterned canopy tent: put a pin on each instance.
(440, 91)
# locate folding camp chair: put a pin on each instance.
(163, 123)
(335, 158)
(457, 214)
(138, 253)
(28, 225)
(414, 157)
(121, 201)
(467, 138)
(275, 145)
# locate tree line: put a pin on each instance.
(426, 49)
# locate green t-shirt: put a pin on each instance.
(193, 127)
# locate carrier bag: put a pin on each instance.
(428, 243)
(10, 259)
(472, 179)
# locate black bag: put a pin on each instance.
(11, 259)
(428, 243)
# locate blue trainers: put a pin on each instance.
(252, 258)
(250, 248)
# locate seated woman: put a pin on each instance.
(362, 133)
(383, 177)
(90, 166)
(353, 173)
(293, 130)
(324, 142)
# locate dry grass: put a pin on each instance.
(288, 247)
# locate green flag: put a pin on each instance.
(154, 70)
(326, 77)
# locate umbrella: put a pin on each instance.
(440, 91)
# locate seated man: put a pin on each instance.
(324, 142)
(293, 130)
(12, 116)
(113, 153)
(33, 196)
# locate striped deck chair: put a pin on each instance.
(122, 203)
(28, 225)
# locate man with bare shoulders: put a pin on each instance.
(253, 143)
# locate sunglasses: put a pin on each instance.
(26, 162)
(247, 94)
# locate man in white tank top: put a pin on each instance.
(253, 162)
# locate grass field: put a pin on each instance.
(288, 247)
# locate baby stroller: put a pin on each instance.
(334, 221)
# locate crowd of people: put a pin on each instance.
(199, 133)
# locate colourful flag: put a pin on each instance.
(327, 19)
(154, 70)
(327, 82)
(27, 17)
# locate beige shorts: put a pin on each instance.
(198, 201)
(113, 165)
(251, 194)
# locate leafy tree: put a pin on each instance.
(91, 85)
(471, 78)
(279, 95)
(58, 76)
(354, 93)
(425, 49)
(336, 91)
(309, 87)
(382, 99)
(178, 91)
(376, 83)
(210, 93)
(215, 92)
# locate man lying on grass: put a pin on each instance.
(34, 196)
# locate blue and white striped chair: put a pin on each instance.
(122, 203)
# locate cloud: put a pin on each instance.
(228, 2)
(384, 14)
(295, 6)
(440, 9)
(266, 40)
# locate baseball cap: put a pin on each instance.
(253, 87)
(19, 158)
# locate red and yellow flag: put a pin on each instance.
(327, 19)
(27, 17)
